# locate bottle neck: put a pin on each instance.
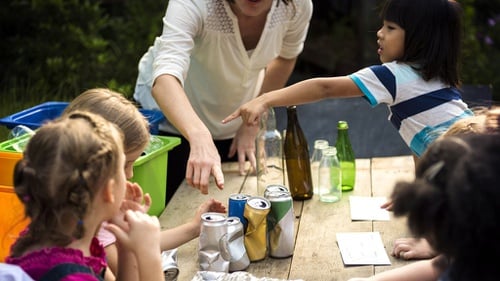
(268, 120)
(292, 115)
(343, 135)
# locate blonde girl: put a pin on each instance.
(71, 179)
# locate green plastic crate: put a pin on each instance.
(150, 170)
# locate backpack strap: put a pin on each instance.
(62, 270)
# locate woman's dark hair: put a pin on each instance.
(454, 203)
(433, 36)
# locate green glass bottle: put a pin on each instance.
(297, 159)
(346, 156)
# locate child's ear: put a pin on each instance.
(109, 195)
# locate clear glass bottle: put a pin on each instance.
(298, 165)
(346, 156)
(319, 145)
(329, 176)
(269, 153)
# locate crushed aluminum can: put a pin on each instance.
(273, 188)
(281, 233)
(239, 258)
(169, 265)
(213, 249)
(256, 211)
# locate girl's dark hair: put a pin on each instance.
(433, 36)
(454, 203)
(65, 164)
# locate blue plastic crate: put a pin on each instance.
(35, 116)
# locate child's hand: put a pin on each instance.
(135, 199)
(412, 248)
(250, 113)
(141, 234)
(387, 205)
(210, 205)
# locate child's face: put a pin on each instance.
(121, 181)
(391, 41)
(130, 159)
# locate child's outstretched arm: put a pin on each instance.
(306, 91)
(175, 237)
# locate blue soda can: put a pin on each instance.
(236, 207)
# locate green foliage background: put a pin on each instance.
(56, 49)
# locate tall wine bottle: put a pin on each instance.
(297, 158)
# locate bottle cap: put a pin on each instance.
(342, 125)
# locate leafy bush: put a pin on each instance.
(481, 53)
(58, 48)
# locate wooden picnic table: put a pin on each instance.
(316, 255)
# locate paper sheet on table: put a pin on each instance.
(362, 248)
(368, 208)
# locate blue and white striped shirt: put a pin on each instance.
(420, 110)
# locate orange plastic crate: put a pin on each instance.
(8, 161)
(12, 220)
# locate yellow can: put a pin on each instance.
(256, 210)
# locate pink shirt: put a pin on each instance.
(38, 263)
(105, 237)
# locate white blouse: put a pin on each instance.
(202, 47)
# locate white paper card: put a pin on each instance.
(362, 248)
(368, 208)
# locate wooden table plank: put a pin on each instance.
(386, 171)
(317, 255)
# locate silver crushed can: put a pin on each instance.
(213, 249)
(281, 236)
(275, 187)
(239, 258)
(169, 264)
